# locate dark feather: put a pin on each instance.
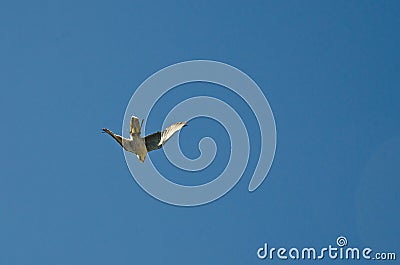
(152, 141)
(116, 137)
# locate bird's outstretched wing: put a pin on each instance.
(117, 137)
(171, 130)
(157, 140)
(135, 125)
(152, 141)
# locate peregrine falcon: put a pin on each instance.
(142, 145)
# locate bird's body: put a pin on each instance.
(142, 145)
(136, 145)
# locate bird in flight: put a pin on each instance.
(142, 145)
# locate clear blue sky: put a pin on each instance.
(330, 70)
